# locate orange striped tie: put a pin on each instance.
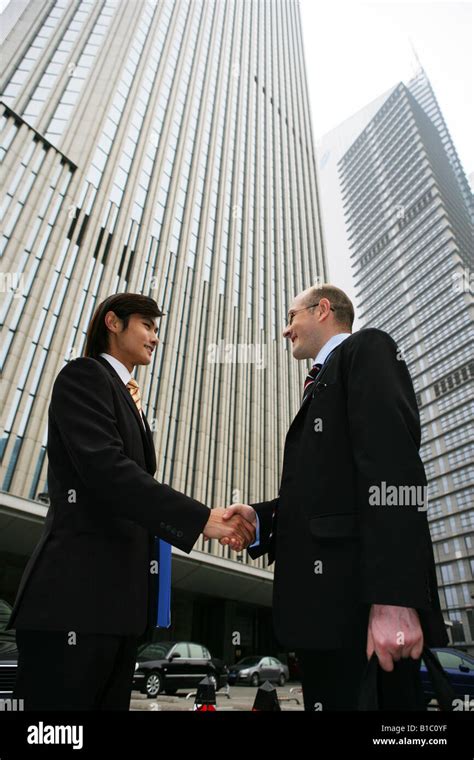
(132, 386)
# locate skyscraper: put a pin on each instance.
(409, 215)
(163, 148)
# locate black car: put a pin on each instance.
(256, 670)
(166, 666)
(8, 653)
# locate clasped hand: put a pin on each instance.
(234, 526)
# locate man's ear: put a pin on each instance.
(112, 322)
(325, 306)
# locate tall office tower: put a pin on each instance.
(163, 148)
(420, 87)
(408, 211)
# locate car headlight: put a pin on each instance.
(136, 666)
(244, 672)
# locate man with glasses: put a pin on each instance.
(354, 566)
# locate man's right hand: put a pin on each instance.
(249, 514)
(235, 529)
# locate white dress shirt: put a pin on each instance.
(122, 372)
(329, 346)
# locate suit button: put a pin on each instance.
(180, 533)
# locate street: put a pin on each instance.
(240, 698)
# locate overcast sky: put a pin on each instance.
(356, 50)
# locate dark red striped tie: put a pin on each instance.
(311, 377)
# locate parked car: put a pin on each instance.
(8, 653)
(166, 666)
(256, 670)
(460, 668)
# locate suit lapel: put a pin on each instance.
(146, 433)
(151, 447)
(317, 382)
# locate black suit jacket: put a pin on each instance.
(335, 553)
(90, 572)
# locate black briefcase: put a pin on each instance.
(443, 690)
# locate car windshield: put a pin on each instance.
(7, 646)
(156, 651)
(5, 612)
(249, 661)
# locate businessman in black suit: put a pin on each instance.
(88, 593)
(354, 566)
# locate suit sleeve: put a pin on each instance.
(83, 411)
(384, 428)
(265, 511)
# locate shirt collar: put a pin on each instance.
(329, 346)
(120, 368)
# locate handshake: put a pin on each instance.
(234, 526)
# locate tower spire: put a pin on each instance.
(416, 63)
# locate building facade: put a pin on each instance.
(163, 148)
(409, 220)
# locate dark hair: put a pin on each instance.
(123, 305)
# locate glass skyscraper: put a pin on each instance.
(163, 148)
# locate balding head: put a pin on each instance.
(340, 302)
(315, 315)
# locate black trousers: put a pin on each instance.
(331, 681)
(60, 671)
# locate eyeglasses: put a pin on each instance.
(292, 313)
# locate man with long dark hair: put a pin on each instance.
(89, 591)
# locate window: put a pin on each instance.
(447, 573)
(467, 520)
(449, 660)
(181, 649)
(451, 596)
(196, 651)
